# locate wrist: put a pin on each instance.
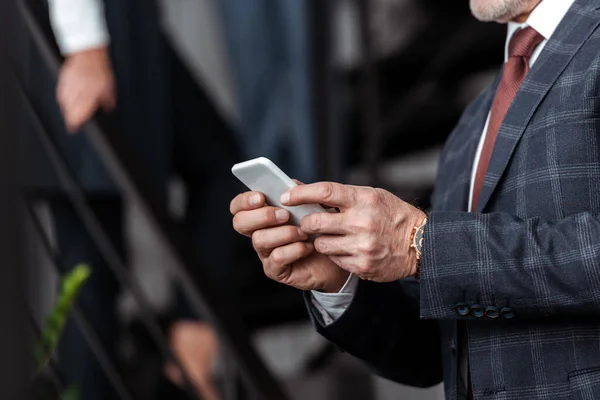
(336, 284)
(97, 53)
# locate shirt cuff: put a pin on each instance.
(78, 25)
(333, 305)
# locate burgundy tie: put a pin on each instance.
(522, 45)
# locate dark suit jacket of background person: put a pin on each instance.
(521, 275)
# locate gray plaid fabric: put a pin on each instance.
(521, 276)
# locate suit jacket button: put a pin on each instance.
(462, 309)
(507, 312)
(477, 311)
(492, 312)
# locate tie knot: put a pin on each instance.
(524, 42)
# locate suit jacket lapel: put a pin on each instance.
(579, 23)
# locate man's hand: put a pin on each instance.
(370, 237)
(285, 254)
(85, 84)
(196, 345)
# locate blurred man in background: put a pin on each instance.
(117, 58)
(495, 291)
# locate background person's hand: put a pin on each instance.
(370, 237)
(285, 254)
(85, 84)
(196, 345)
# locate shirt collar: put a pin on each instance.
(545, 18)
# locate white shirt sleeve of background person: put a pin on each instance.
(332, 305)
(78, 24)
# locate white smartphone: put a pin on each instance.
(262, 175)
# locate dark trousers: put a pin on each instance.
(203, 151)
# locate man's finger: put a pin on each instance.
(77, 105)
(72, 92)
(325, 223)
(246, 201)
(333, 245)
(334, 194)
(79, 112)
(265, 240)
(64, 95)
(61, 91)
(279, 267)
(325, 206)
(248, 222)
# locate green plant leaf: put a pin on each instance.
(70, 287)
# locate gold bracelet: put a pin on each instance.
(416, 242)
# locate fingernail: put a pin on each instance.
(282, 215)
(301, 233)
(255, 200)
(285, 198)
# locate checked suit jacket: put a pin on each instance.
(520, 277)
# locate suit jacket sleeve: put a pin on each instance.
(382, 327)
(531, 267)
(78, 24)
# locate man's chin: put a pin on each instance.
(500, 11)
(499, 20)
(490, 17)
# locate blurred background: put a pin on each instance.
(357, 91)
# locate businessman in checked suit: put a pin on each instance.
(496, 290)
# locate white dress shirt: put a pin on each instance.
(78, 25)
